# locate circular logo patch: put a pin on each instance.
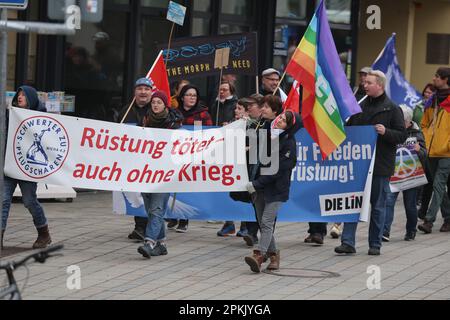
(41, 146)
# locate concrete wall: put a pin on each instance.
(430, 16)
(394, 18)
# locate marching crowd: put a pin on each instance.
(428, 125)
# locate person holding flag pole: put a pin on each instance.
(155, 79)
(387, 119)
(320, 92)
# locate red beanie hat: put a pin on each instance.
(162, 95)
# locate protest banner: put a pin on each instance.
(101, 155)
(176, 13)
(194, 56)
(331, 190)
(409, 172)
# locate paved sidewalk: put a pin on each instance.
(201, 265)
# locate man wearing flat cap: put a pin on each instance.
(270, 80)
(359, 91)
(436, 129)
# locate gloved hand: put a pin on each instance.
(250, 188)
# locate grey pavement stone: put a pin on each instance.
(202, 266)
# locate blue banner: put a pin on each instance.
(321, 191)
(397, 88)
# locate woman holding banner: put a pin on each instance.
(193, 113)
(269, 192)
(159, 116)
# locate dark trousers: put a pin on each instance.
(427, 190)
(318, 227)
(140, 223)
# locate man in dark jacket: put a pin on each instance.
(26, 98)
(387, 118)
(142, 95)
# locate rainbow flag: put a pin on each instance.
(327, 97)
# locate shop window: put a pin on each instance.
(438, 48)
(94, 67)
(339, 11)
(202, 5)
(238, 7)
(200, 27)
(155, 3)
(293, 9)
(233, 28)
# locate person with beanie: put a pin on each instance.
(159, 116)
(143, 89)
(26, 98)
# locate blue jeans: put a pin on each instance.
(409, 201)
(380, 188)
(155, 206)
(29, 199)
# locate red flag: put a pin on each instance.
(158, 74)
(293, 100)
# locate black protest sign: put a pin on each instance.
(195, 56)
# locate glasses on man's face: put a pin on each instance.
(190, 95)
(273, 79)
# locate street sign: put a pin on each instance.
(14, 4)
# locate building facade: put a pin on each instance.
(101, 62)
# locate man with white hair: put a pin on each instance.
(387, 119)
(416, 141)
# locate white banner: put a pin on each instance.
(101, 155)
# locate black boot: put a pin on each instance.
(1, 241)
(43, 239)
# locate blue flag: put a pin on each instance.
(397, 88)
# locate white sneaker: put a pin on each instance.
(335, 231)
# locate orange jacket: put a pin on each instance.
(436, 129)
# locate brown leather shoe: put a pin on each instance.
(425, 227)
(255, 261)
(274, 260)
(445, 227)
(43, 239)
(317, 238)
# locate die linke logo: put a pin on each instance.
(41, 145)
(343, 203)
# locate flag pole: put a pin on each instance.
(218, 95)
(257, 84)
(170, 39)
(300, 103)
(134, 99)
(279, 83)
(364, 98)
